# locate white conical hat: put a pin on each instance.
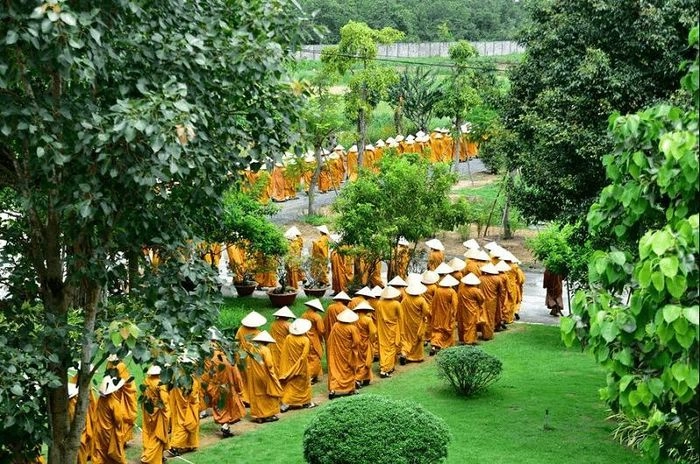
(410, 138)
(342, 296)
(443, 269)
(497, 252)
(437, 135)
(377, 291)
(110, 384)
(430, 277)
(510, 257)
(153, 370)
(353, 149)
(264, 337)
(477, 255)
(471, 244)
(448, 281)
(398, 138)
(489, 269)
(390, 292)
(435, 244)
(502, 266)
(339, 147)
(348, 316)
(365, 291)
(422, 139)
(397, 281)
(72, 390)
(379, 143)
(390, 140)
(416, 288)
(363, 305)
(491, 245)
(403, 241)
(315, 303)
(284, 311)
(470, 279)
(253, 320)
(393, 144)
(323, 229)
(413, 277)
(335, 238)
(420, 134)
(300, 327)
(369, 147)
(292, 232)
(457, 264)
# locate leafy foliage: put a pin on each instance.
(374, 429)
(584, 60)
(551, 247)
(468, 369)
(640, 317)
(415, 96)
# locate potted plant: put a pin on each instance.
(283, 295)
(243, 279)
(312, 287)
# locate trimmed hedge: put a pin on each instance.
(468, 369)
(372, 429)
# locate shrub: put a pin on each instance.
(372, 429)
(468, 369)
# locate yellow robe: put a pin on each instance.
(127, 396)
(389, 322)
(278, 184)
(435, 257)
(352, 165)
(223, 385)
(339, 278)
(87, 437)
(319, 266)
(315, 335)
(156, 420)
(415, 312)
(279, 329)
(343, 343)
(266, 275)
(428, 295)
(474, 267)
(294, 370)
(236, 261)
(444, 313)
(471, 306)
(492, 288)
(356, 300)
(520, 281)
(110, 418)
(401, 260)
(324, 178)
(331, 316)
(368, 335)
(293, 263)
(264, 387)
(184, 417)
(244, 335)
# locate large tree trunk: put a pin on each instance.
(362, 131)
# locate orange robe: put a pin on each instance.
(278, 185)
(356, 300)
(266, 275)
(279, 329)
(324, 178)
(211, 253)
(110, 418)
(339, 277)
(319, 266)
(511, 295)
(428, 295)
(415, 312)
(444, 313)
(127, 396)
(184, 416)
(492, 288)
(368, 335)
(87, 437)
(389, 322)
(331, 316)
(474, 267)
(471, 306)
(155, 409)
(223, 385)
(244, 335)
(402, 257)
(375, 278)
(293, 263)
(520, 281)
(343, 344)
(435, 257)
(264, 388)
(315, 334)
(236, 261)
(294, 370)
(292, 178)
(502, 308)
(266, 191)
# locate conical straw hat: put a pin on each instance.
(284, 311)
(342, 296)
(502, 266)
(430, 277)
(457, 264)
(448, 281)
(110, 384)
(470, 279)
(315, 303)
(389, 293)
(489, 269)
(377, 291)
(323, 229)
(490, 245)
(300, 327)
(363, 305)
(443, 269)
(264, 337)
(153, 370)
(416, 288)
(253, 319)
(397, 281)
(292, 232)
(471, 244)
(365, 291)
(348, 316)
(435, 244)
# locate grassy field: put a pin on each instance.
(503, 425)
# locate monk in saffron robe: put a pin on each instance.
(554, 301)
(331, 315)
(264, 388)
(292, 178)
(319, 256)
(436, 255)
(110, 419)
(339, 277)
(415, 312)
(402, 256)
(368, 335)
(250, 327)
(315, 334)
(294, 367)
(87, 437)
(444, 315)
(126, 394)
(475, 260)
(266, 270)
(278, 184)
(184, 416)
(508, 277)
(279, 329)
(293, 262)
(343, 344)
(471, 306)
(155, 410)
(237, 261)
(352, 163)
(389, 322)
(492, 288)
(360, 296)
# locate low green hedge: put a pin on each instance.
(372, 429)
(468, 369)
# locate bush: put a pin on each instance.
(468, 369)
(372, 429)
(551, 247)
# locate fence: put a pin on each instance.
(423, 50)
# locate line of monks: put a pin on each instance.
(285, 179)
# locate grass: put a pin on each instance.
(505, 424)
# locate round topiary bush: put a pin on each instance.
(372, 429)
(468, 369)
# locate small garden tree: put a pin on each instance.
(468, 369)
(415, 96)
(640, 316)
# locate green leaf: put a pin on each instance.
(566, 324)
(116, 338)
(644, 274)
(16, 389)
(617, 257)
(669, 266)
(11, 37)
(691, 313)
(680, 372)
(68, 18)
(609, 331)
(671, 313)
(661, 241)
(656, 387)
(677, 286)
(657, 279)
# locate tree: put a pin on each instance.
(640, 315)
(369, 84)
(407, 197)
(415, 96)
(117, 124)
(584, 60)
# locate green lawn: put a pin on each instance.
(503, 425)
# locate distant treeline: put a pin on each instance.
(424, 20)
